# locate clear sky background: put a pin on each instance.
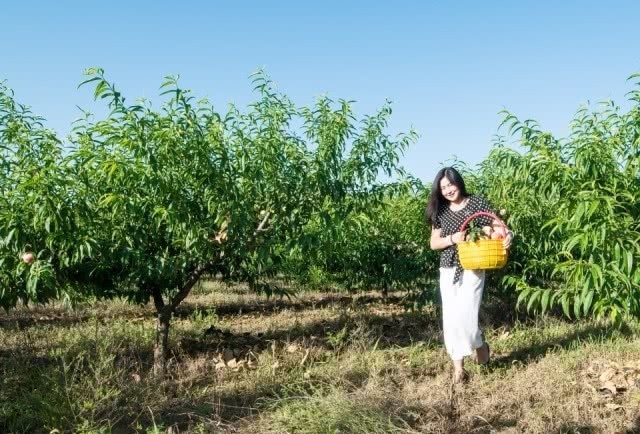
(448, 67)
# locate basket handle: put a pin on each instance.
(488, 214)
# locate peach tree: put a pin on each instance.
(575, 205)
(157, 198)
(44, 240)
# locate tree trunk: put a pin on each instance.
(161, 348)
(165, 311)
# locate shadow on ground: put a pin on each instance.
(533, 352)
(275, 305)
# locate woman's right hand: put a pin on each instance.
(458, 237)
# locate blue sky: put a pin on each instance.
(448, 67)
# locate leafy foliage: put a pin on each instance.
(145, 201)
(40, 212)
(383, 247)
(575, 205)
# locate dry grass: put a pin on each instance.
(320, 363)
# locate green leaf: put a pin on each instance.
(577, 302)
(532, 300)
(586, 305)
(545, 300)
(565, 305)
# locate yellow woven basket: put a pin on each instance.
(482, 254)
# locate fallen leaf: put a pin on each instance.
(607, 375)
(610, 387)
(241, 365)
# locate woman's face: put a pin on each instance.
(449, 191)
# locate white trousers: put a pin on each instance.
(460, 306)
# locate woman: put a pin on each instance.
(461, 290)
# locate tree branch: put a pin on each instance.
(191, 281)
(262, 223)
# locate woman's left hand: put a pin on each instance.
(506, 243)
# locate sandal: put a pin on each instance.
(488, 355)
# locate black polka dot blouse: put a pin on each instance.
(451, 221)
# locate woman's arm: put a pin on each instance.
(437, 242)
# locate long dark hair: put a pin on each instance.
(436, 200)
